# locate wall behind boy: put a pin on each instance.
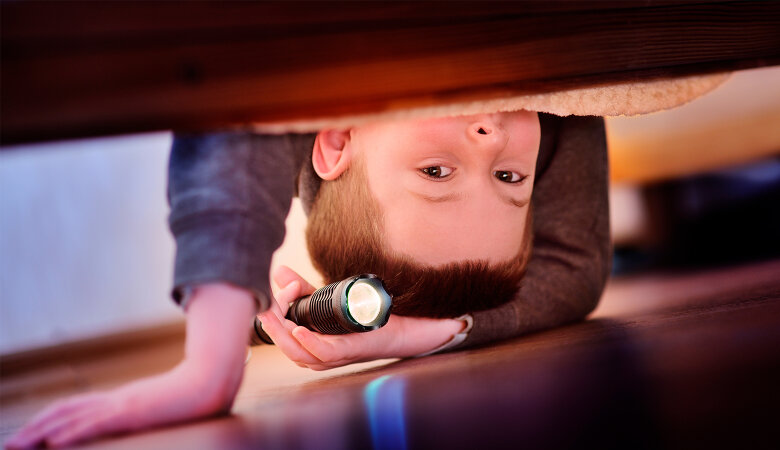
(82, 244)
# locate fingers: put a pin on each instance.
(330, 350)
(282, 299)
(38, 426)
(58, 420)
(79, 429)
(280, 330)
(76, 428)
(283, 276)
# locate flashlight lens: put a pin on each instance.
(363, 303)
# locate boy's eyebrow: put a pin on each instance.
(438, 198)
(458, 195)
(515, 202)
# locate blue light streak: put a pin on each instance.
(384, 399)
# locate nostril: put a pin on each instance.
(481, 131)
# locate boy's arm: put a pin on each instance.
(230, 193)
(572, 248)
(203, 384)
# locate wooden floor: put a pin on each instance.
(672, 360)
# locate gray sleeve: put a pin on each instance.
(230, 193)
(572, 249)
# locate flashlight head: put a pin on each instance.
(367, 302)
(357, 304)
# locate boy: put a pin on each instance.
(448, 190)
(572, 261)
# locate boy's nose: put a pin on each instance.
(486, 131)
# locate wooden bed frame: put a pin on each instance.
(76, 69)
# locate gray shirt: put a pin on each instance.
(230, 193)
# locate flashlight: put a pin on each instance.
(355, 305)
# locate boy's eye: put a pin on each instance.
(437, 171)
(508, 176)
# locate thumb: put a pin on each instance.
(283, 276)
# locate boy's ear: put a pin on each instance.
(332, 153)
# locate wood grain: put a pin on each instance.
(78, 69)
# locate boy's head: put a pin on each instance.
(438, 208)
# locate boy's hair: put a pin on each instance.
(344, 237)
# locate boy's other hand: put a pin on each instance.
(170, 397)
(203, 384)
(401, 337)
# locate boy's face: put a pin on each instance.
(452, 189)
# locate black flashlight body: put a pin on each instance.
(327, 310)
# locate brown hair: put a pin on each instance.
(344, 237)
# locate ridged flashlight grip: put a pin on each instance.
(318, 312)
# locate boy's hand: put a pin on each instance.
(170, 397)
(202, 385)
(401, 337)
